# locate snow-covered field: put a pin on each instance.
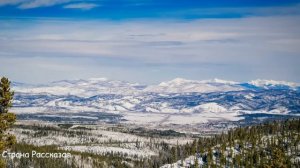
(186, 162)
(94, 139)
(103, 150)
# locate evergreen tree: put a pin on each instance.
(7, 119)
(196, 163)
(209, 157)
(278, 158)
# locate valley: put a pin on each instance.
(103, 122)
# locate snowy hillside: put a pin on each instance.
(178, 101)
(96, 86)
(269, 84)
(82, 88)
(180, 85)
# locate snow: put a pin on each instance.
(265, 83)
(96, 86)
(249, 96)
(28, 110)
(212, 107)
(167, 103)
(97, 140)
(144, 118)
(180, 85)
(221, 81)
(187, 162)
(149, 109)
(207, 107)
(201, 118)
(103, 150)
(168, 118)
(82, 88)
(279, 110)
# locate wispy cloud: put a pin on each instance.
(29, 4)
(11, 2)
(200, 12)
(199, 40)
(157, 9)
(81, 6)
(259, 42)
(257, 46)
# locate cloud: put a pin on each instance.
(154, 41)
(82, 6)
(28, 4)
(11, 2)
(253, 47)
(153, 9)
(200, 12)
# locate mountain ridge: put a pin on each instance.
(94, 86)
(178, 101)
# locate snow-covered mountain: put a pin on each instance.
(177, 101)
(96, 86)
(180, 85)
(82, 88)
(271, 84)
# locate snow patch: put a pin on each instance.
(265, 83)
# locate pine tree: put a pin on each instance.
(209, 157)
(7, 119)
(174, 154)
(278, 158)
(194, 147)
(196, 163)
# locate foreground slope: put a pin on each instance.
(272, 144)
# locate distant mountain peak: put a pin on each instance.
(267, 83)
(176, 81)
(221, 81)
(179, 81)
(94, 86)
(181, 85)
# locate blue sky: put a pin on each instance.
(148, 41)
(140, 9)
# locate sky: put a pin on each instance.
(149, 41)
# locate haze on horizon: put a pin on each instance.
(149, 41)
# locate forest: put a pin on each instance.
(271, 144)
